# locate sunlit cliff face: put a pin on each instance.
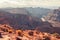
(12, 34)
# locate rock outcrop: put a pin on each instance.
(25, 34)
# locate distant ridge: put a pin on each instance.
(37, 12)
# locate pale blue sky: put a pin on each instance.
(30, 3)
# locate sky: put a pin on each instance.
(30, 3)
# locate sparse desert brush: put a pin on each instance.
(55, 34)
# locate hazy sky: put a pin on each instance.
(30, 3)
